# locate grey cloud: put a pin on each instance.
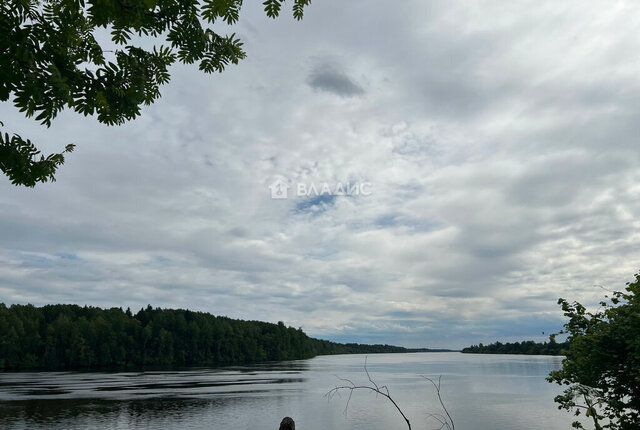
(559, 179)
(331, 78)
(412, 145)
(504, 168)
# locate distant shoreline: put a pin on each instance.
(519, 348)
(71, 337)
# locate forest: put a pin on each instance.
(527, 347)
(74, 337)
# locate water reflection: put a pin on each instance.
(482, 392)
(189, 383)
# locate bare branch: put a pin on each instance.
(446, 422)
(437, 387)
(373, 387)
(441, 419)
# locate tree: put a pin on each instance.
(602, 365)
(51, 58)
(73, 337)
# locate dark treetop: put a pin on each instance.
(74, 337)
(527, 347)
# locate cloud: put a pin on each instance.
(315, 204)
(501, 151)
(329, 77)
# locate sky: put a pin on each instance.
(488, 152)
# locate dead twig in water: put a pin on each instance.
(446, 422)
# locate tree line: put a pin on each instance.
(75, 337)
(527, 347)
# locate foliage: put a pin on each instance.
(602, 365)
(358, 348)
(51, 58)
(528, 348)
(19, 161)
(70, 336)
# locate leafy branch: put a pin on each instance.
(601, 369)
(20, 162)
(50, 60)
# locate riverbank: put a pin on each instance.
(71, 337)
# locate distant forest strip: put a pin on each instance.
(75, 337)
(528, 347)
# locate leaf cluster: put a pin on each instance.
(51, 59)
(20, 162)
(602, 365)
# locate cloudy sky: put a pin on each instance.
(498, 142)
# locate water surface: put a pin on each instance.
(482, 392)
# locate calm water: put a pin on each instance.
(482, 392)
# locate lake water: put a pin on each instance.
(482, 392)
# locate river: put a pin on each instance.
(482, 392)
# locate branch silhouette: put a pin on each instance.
(446, 422)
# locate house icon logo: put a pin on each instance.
(279, 189)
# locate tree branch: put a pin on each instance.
(383, 390)
(452, 427)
